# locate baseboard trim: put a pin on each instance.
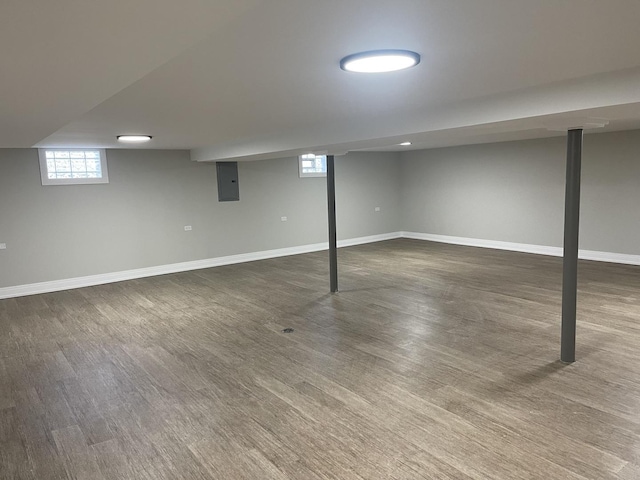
(100, 279)
(608, 257)
(351, 242)
(494, 244)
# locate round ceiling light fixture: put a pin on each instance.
(380, 61)
(134, 138)
(404, 144)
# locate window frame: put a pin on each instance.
(303, 174)
(44, 172)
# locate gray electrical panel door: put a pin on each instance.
(228, 190)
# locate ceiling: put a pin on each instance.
(255, 79)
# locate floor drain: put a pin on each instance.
(287, 330)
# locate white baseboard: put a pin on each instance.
(88, 281)
(100, 279)
(476, 242)
(609, 257)
(350, 242)
(526, 248)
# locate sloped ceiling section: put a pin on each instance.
(59, 59)
(258, 80)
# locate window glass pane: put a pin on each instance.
(63, 165)
(78, 165)
(85, 166)
(92, 164)
(313, 165)
(317, 165)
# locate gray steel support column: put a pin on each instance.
(333, 239)
(571, 229)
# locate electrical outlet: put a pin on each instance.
(377, 209)
(3, 246)
(187, 228)
(283, 219)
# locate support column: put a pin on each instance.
(333, 239)
(570, 262)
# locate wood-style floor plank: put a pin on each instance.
(79, 460)
(432, 362)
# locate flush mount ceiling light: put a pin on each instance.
(134, 138)
(404, 144)
(380, 61)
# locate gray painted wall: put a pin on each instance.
(138, 219)
(514, 192)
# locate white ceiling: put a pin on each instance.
(252, 79)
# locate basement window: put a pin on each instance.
(311, 165)
(73, 166)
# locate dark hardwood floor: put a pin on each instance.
(433, 361)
